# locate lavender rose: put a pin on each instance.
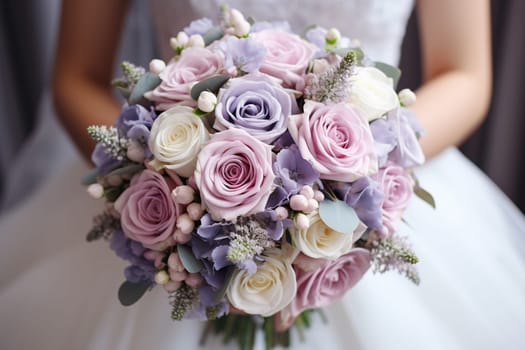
(255, 104)
(335, 139)
(287, 56)
(193, 65)
(234, 174)
(328, 283)
(397, 186)
(148, 214)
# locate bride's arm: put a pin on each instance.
(456, 56)
(87, 43)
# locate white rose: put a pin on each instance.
(266, 292)
(176, 138)
(373, 92)
(320, 241)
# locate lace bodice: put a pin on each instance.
(378, 24)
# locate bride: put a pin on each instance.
(58, 292)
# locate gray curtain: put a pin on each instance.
(27, 34)
(498, 146)
(27, 38)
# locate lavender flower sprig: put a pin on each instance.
(394, 253)
(332, 86)
(110, 139)
(103, 226)
(247, 243)
(132, 73)
(182, 300)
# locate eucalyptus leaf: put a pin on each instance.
(339, 216)
(425, 196)
(129, 292)
(212, 84)
(90, 178)
(214, 33)
(343, 51)
(390, 71)
(147, 82)
(190, 262)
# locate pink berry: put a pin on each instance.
(302, 222)
(281, 212)
(298, 202)
(307, 191)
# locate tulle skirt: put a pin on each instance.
(59, 292)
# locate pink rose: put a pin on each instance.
(287, 56)
(328, 283)
(148, 214)
(335, 139)
(234, 174)
(397, 186)
(193, 65)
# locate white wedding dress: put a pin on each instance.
(58, 292)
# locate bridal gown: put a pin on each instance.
(59, 292)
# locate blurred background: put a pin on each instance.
(27, 37)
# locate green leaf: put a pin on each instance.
(190, 262)
(112, 193)
(147, 82)
(129, 292)
(390, 71)
(344, 51)
(338, 215)
(425, 196)
(90, 178)
(212, 84)
(213, 34)
(268, 332)
(130, 169)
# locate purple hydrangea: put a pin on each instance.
(292, 173)
(206, 302)
(275, 25)
(396, 138)
(243, 53)
(384, 139)
(316, 36)
(408, 152)
(199, 26)
(365, 196)
(103, 160)
(132, 251)
(135, 121)
(212, 236)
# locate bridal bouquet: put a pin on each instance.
(257, 175)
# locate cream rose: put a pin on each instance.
(266, 292)
(320, 241)
(176, 138)
(373, 92)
